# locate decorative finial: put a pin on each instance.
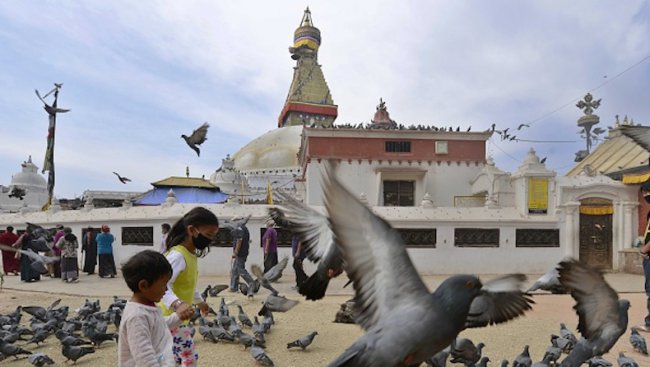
(617, 123)
(588, 104)
(187, 171)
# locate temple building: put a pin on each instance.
(455, 209)
(28, 182)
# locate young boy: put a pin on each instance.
(145, 339)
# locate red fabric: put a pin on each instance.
(9, 262)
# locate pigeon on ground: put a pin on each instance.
(243, 317)
(213, 291)
(625, 361)
(275, 272)
(313, 229)
(599, 361)
(264, 282)
(438, 360)
(39, 359)
(602, 317)
(547, 361)
(122, 179)
(404, 323)
(483, 362)
(198, 137)
(9, 350)
(464, 351)
(303, 342)
(553, 352)
(73, 353)
(277, 304)
(567, 334)
(565, 345)
(523, 359)
(260, 356)
(549, 282)
(638, 341)
(39, 336)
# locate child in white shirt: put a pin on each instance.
(145, 339)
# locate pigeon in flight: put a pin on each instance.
(275, 272)
(18, 193)
(404, 323)
(198, 137)
(602, 316)
(313, 229)
(303, 342)
(122, 179)
(260, 277)
(39, 261)
(549, 282)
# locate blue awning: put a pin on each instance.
(191, 195)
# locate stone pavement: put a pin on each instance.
(93, 286)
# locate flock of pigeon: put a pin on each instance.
(404, 324)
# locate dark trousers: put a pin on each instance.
(270, 261)
(300, 272)
(646, 271)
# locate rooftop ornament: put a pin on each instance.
(587, 105)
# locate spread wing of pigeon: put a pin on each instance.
(198, 137)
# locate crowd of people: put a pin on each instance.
(154, 328)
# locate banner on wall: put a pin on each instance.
(537, 195)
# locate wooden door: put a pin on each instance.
(596, 240)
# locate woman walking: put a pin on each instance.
(89, 250)
(69, 245)
(27, 274)
(105, 250)
(187, 240)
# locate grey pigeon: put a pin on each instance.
(73, 353)
(404, 323)
(638, 341)
(602, 317)
(549, 282)
(247, 341)
(464, 351)
(39, 359)
(567, 334)
(553, 352)
(275, 272)
(38, 262)
(303, 342)
(39, 336)
(599, 361)
(504, 363)
(547, 361)
(277, 304)
(313, 229)
(10, 350)
(483, 362)
(438, 360)
(198, 137)
(625, 361)
(233, 224)
(565, 345)
(523, 359)
(122, 179)
(264, 282)
(243, 317)
(260, 356)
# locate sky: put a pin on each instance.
(137, 75)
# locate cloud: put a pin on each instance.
(138, 74)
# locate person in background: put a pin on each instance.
(10, 262)
(240, 248)
(24, 242)
(55, 268)
(105, 251)
(69, 245)
(645, 254)
(270, 245)
(298, 256)
(89, 251)
(165, 227)
(188, 239)
(144, 336)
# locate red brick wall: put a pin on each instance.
(374, 148)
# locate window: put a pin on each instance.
(398, 146)
(139, 236)
(529, 237)
(442, 147)
(476, 237)
(399, 193)
(418, 237)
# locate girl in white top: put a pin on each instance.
(145, 339)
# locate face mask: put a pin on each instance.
(201, 242)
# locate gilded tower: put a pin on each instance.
(309, 101)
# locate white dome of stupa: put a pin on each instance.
(29, 177)
(274, 149)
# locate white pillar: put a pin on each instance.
(571, 228)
